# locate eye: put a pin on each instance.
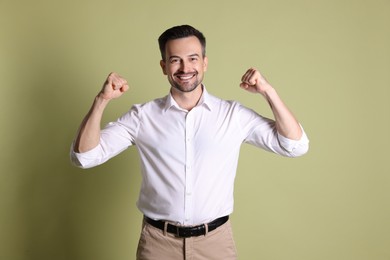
(174, 60)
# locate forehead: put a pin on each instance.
(183, 46)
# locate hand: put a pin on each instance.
(254, 82)
(113, 87)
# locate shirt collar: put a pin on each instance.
(205, 100)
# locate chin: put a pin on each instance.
(186, 89)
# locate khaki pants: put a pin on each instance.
(215, 245)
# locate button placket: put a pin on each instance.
(188, 169)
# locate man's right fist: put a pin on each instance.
(114, 86)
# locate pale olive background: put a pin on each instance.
(328, 59)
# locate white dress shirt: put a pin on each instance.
(188, 158)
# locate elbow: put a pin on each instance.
(83, 161)
(304, 150)
(77, 163)
(299, 151)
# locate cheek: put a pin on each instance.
(171, 69)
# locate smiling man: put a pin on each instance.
(184, 62)
(189, 144)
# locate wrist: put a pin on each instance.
(100, 101)
(102, 97)
(269, 92)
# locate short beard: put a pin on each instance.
(191, 88)
(186, 90)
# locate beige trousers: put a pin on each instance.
(215, 245)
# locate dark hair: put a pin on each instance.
(177, 32)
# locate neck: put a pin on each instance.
(187, 100)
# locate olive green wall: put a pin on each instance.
(328, 59)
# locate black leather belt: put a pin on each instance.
(184, 232)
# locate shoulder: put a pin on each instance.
(151, 105)
(234, 109)
(221, 103)
(137, 111)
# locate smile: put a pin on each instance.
(185, 76)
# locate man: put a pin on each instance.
(189, 143)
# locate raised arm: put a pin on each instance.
(286, 124)
(88, 135)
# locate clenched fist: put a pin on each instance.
(114, 86)
(254, 82)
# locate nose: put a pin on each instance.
(184, 66)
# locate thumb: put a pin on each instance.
(124, 88)
(244, 85)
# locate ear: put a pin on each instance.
(163, 67)
(205, 63)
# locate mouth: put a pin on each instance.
(185, 77)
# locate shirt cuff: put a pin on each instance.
(85, 159)
(290, 145)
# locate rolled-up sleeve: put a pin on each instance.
(261, 132)
(294, 148)
(114, 139)
(87, 159)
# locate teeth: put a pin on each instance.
(185, 77)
